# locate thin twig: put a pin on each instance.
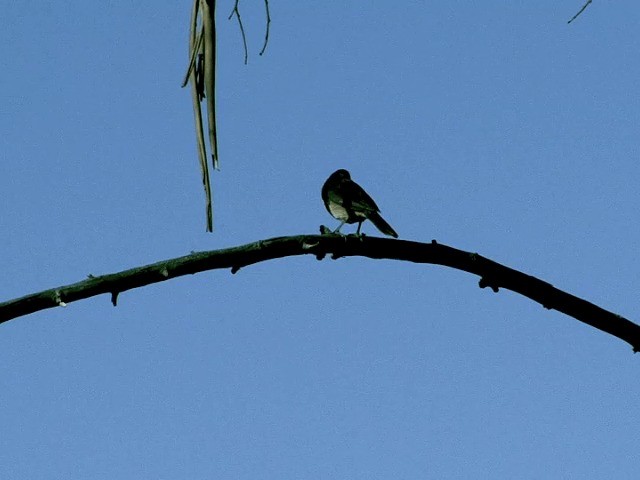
(581, 10)
(236, 12)
(266, 34)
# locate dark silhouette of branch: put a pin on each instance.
(584, 7)
(266, 33)
(492, 275)
(236, 12)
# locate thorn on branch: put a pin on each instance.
(235, 269)
(320, 253)
(433, 242)
(485, 282)
(114, 298)
(91, 275)
(547, 303)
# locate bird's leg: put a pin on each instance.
(337, 230)
(358, 231)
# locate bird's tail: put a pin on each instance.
(382, 225)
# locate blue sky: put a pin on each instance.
(494, 128)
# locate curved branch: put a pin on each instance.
(491, 275)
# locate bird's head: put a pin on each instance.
(341, 174)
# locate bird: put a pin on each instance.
(347, 201)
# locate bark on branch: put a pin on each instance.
(492, 275)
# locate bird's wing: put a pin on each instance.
(334, 195)
(360, 200)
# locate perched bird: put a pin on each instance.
(348, 202)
